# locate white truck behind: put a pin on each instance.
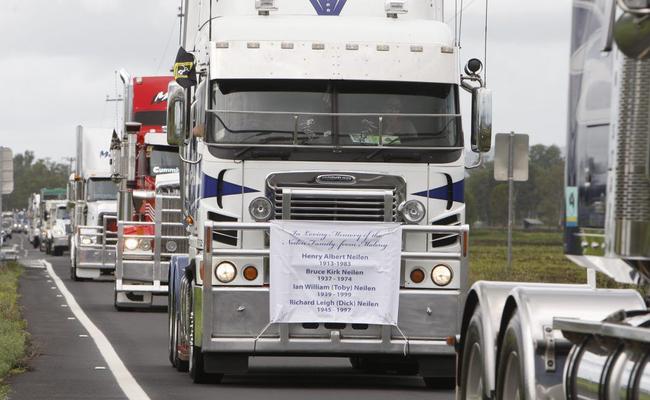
(94, 196)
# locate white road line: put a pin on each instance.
(127, 383)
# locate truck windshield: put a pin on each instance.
(335, 114)
(62, 213)
(101, 189)
(163, 160)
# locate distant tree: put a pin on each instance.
(30, 176)
(539, 197)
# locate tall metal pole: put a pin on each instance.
(511, 146)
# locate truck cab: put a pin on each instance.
(94, 204)
(58, 228)
(150, 228)
(324, 116)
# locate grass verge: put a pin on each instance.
(13, 337)
(537, 257)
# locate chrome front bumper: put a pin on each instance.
(241, 315)
(143, 276)
(96, 257)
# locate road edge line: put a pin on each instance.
(125, 380)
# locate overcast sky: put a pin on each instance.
(59, 58)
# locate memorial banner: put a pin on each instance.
(335, 272)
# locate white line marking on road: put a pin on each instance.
(100, 368)
(127, 383)
(82, 335)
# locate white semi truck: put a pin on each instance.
(57, 238)
(543, 341)
(321, 115)
(94, 200)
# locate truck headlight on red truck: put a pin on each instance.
(134, 240)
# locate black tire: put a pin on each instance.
(57, 252)
(511, 371)
(197, 369)
(472, 380)
(181, 365)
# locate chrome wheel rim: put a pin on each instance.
(512, 379)
(474, 383)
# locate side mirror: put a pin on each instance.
(175, 115)
(481, 120)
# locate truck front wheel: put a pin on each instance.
(472, 383)
(510, 371)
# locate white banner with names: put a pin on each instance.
(335, 272)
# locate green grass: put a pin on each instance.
(537, 257)
(13, 337)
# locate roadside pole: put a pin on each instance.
(511, 189)
(511, 165)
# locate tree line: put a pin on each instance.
(541, 197)
(31, 175)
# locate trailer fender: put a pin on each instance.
(544, 350)
(488, 298)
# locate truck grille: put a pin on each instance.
(335, 204)
(171, 212)
(327, 196)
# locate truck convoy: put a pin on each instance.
(150, 228)
(48, 199)
(542, 341)
(93, 198)
(314, 117)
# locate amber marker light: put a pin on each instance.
(417, 275)
(250, 273)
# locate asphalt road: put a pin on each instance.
(69, 366)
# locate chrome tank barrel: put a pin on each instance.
(612, 361)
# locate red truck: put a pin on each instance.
(150, 229)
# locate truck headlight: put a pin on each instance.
(131, 244)
(225, 272)
(261, 209)
(88, 240)
(441, 275)
(412, 211)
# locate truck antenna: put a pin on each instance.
(180, 25)
(118, 98)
